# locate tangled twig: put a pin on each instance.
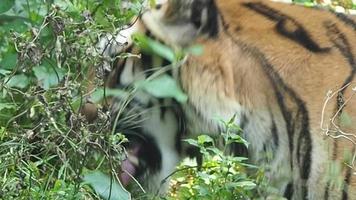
(331, 128)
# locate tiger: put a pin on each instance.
(285, 71)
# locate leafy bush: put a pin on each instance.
(46, 54)
(220, 176)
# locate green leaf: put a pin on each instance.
(191, 142)
(47, 76)
(214, 150)
(238, 139)
(232, 120)
(196, 50)
(204, 139)
(101, 184)
(7, 106)
(152, 3)
(15, 23)
(152, 46)
(4, 72)
(163, 86)
(203, 191)
(19, 81)
(6, 5)
(100, 93)
(9, 61)
(247, 185)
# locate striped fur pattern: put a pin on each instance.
(280, 69)
(153, 126)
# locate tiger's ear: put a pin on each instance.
(179, 22)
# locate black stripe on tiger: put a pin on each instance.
(120, 63)
(341, 43)
(149, 153)
(347, 20)
(162, 108)
(288, 192)
(274, 133)
(287, 27)
(182, 129)
(296, 122)
(209, 24)
(147, 64)
(287, 116)
(238, 149)
(347, 180)
(281, 91)
(326, 193)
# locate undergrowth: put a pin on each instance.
(47, 50)
(220, 175)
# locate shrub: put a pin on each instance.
(221, 175)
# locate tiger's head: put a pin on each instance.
(153, 126)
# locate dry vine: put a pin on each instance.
(331, 128)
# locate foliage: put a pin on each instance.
(333, 4)
(46, 53)
(102, 184)
(220, 176)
